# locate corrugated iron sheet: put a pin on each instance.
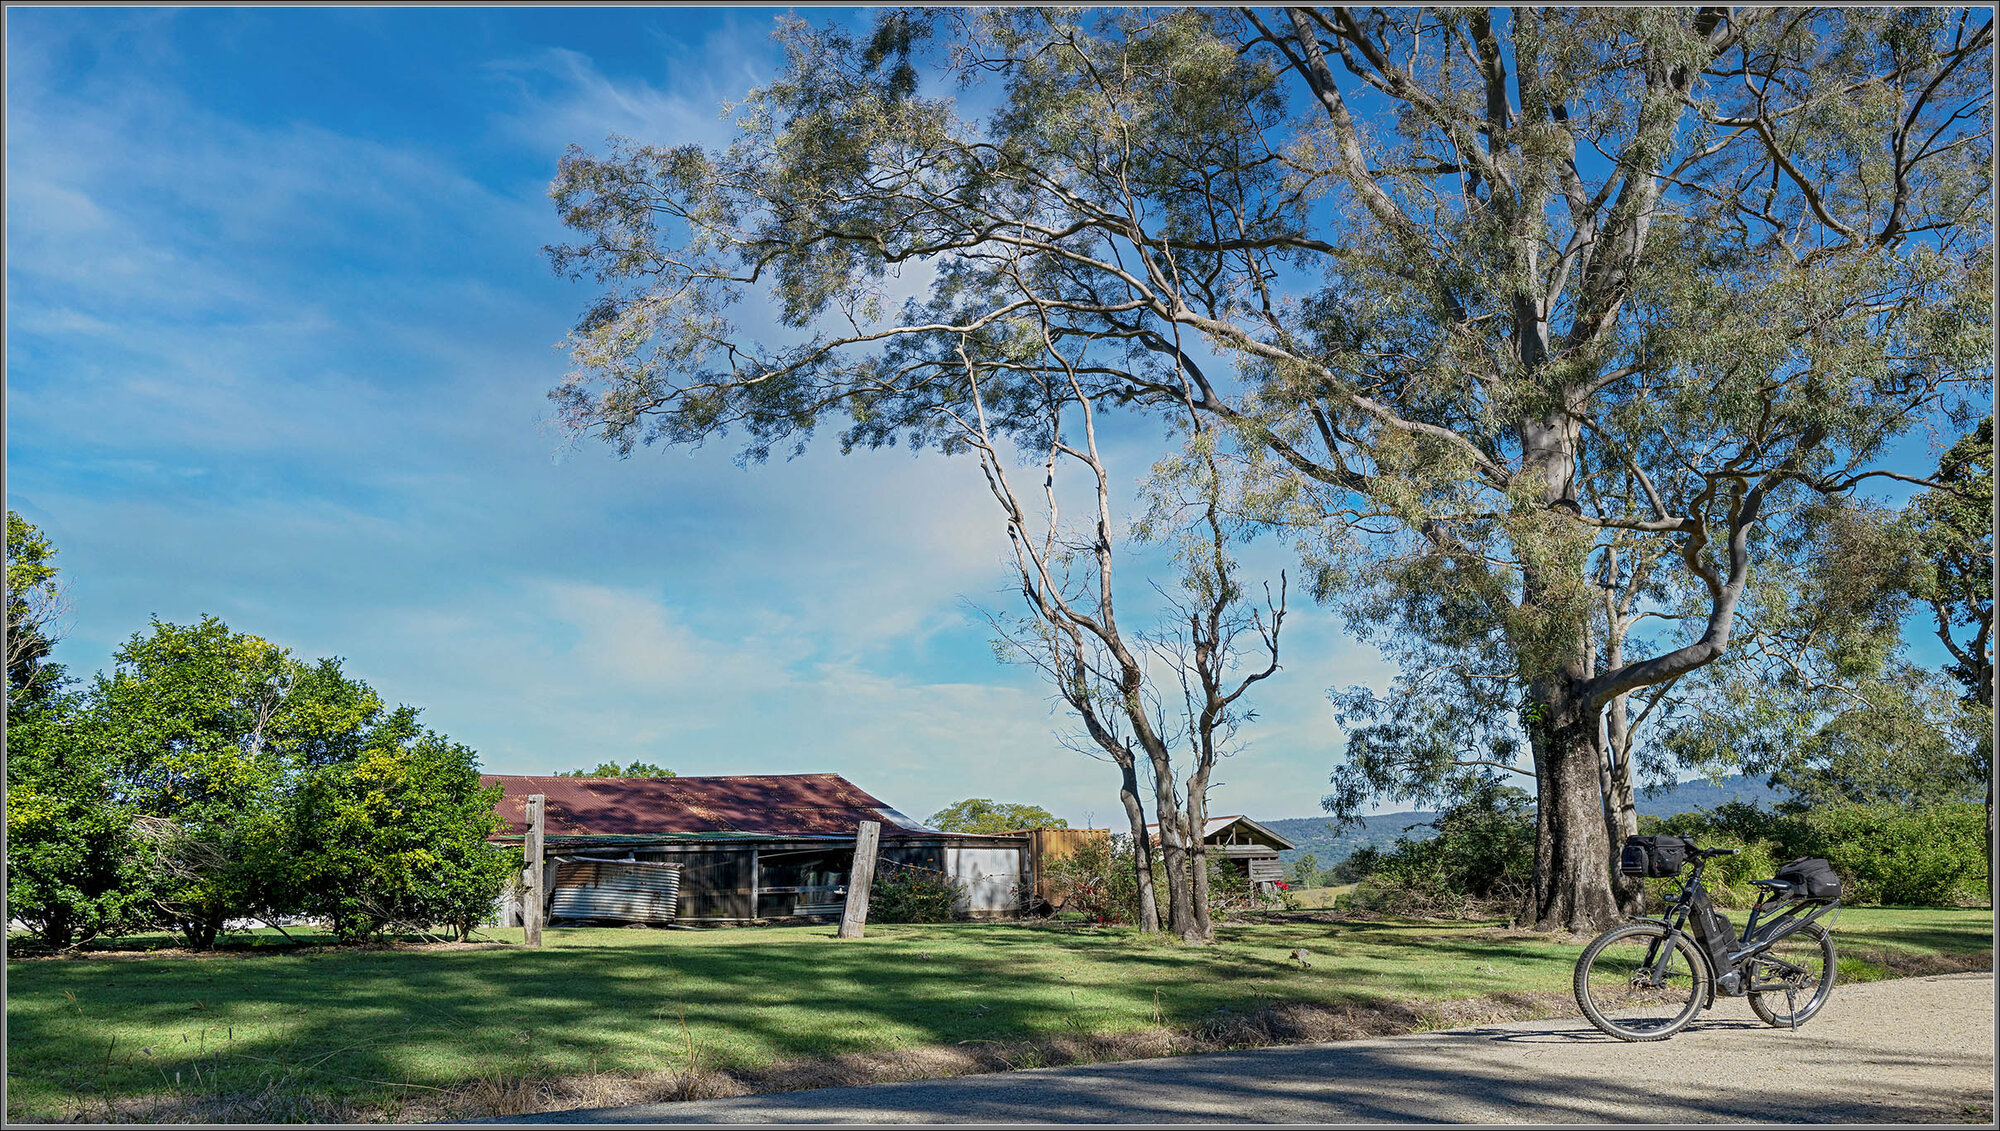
(804, 804)
(638, 892)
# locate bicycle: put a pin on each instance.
(1646, 979)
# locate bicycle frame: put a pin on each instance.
(1771, 920)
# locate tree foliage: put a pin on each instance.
(35, 605)
(396, 838)
(1482, 852)
(74, 871)
(1536, 329)
(1954, 522)
(71, 872)
(614, 770)
(210, 730)
(980, 815)
(211, 776)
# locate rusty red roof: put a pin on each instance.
(796, 804)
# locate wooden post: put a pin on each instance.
(854, 916)
(534, 907)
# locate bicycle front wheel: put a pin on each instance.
(1792, 980)
(1641, 982)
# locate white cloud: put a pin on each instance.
(560, 96)
(293, 377)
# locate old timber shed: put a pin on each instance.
(1248, 847)
(714, 851)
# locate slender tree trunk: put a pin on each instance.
(1985, 696)
(1621, 813)
(1197, 817)
(1142, 847)
(201, 932)
(1173, 847)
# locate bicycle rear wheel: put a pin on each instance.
(1640, 982)
(1792, 980)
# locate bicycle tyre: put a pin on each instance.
(1764, 1004)
(1657, 1011)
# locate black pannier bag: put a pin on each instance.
(1812, 878)
(1654, 856)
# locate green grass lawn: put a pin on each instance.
(1319, 898)
(356, 1024)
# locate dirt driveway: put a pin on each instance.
(1912, 1050)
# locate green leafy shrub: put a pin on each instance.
(1933, 856)
(73, 871)
(905, 894)
(1230, 891)
(396, 839)
(1096, 881)
(1483, 855)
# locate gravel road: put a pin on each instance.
(1912, 1050)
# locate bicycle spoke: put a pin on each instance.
(1798, 972)
(1640, 986)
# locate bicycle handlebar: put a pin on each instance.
(1717, 851)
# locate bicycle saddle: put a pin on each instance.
(1774, 885)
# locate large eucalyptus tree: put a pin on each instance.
(1507, 310)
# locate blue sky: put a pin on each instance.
(279, 336)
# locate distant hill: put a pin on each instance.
(1687, 796)
(1314, 835)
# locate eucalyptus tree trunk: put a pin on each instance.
(1197, 816)
(1572, 889)
(1621, 811)
(1142, 847)
(1181, 920)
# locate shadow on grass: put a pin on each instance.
(381, 1025)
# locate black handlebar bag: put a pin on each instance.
(1654, 856)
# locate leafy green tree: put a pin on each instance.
(206, 731)
(74, 871)
(1576, 302)
(1305, 871)
(396, 839)
(1955, 523)
(70, 862)
(979, 815)
(1483, 849)
(35, 603)
(1819, 695)
(614, 770)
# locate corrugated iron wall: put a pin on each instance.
(634, 891)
